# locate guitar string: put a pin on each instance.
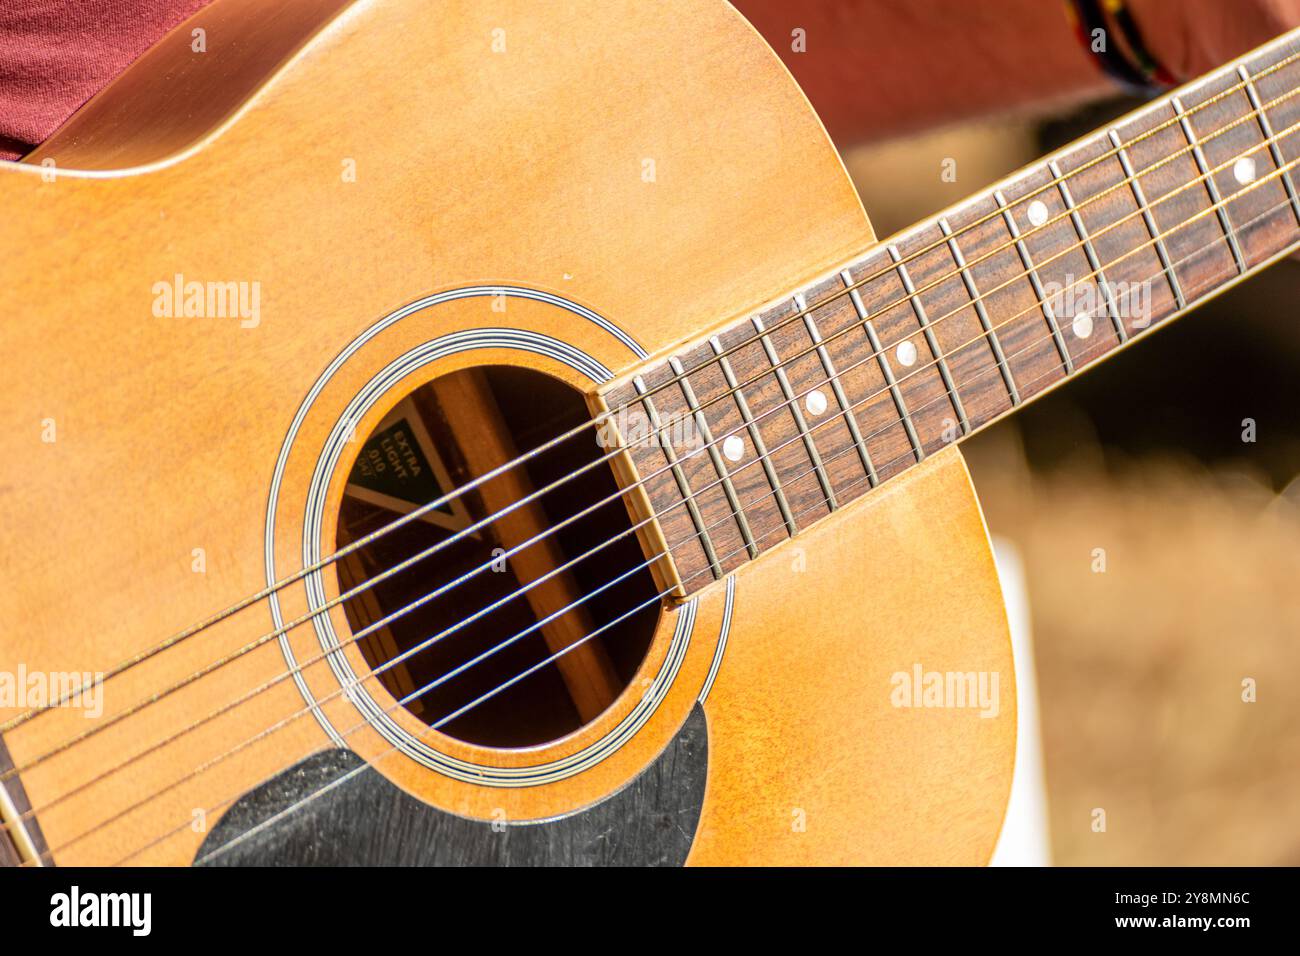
(90, 732)
(438, 681)
(373, 762)
(806, 310)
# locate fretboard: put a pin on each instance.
(748, 437)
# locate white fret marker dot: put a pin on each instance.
(1243, 170)
(815, 402)
(1082, 326)
(1037, 212)
(906, 353)
(733, 448)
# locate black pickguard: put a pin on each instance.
(365, 820)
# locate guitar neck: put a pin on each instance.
(780, 419)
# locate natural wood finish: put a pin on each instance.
(522, 167)
(814, 765)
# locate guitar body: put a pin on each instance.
(514, 184)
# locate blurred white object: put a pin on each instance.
(1025, 839)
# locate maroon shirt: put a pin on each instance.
(56, 55)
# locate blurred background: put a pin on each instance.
(1140, 669)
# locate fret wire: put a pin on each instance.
(879, 352)
(1152, 229)
(977, 300)
(1224, 222)
(683, 486)
(793, 405)
(706, 433)
(919, 310)
(1027, 261)
(1089, 251)
(755, 434)
(1267, 129)
(850, 419)
(1141, 137)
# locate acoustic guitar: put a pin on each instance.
(492, 433)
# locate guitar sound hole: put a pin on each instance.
(510, 618)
